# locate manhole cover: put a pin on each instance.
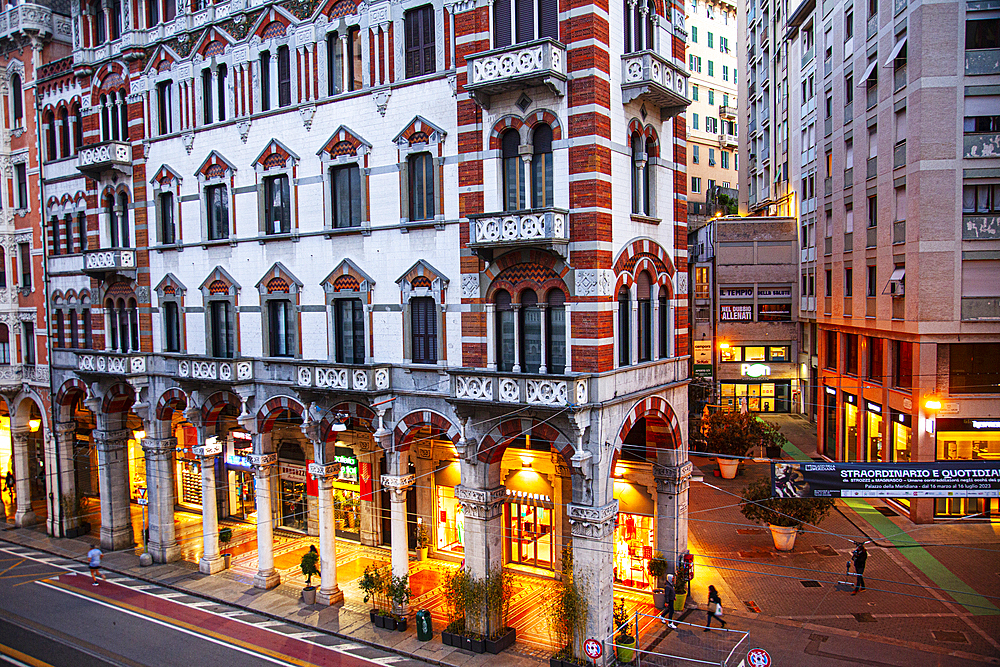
(950, 636)
(749, 531)
(885, 511)
(810, 583)
(864, 617)
(752, 606)
(818, 638)
(825, 550)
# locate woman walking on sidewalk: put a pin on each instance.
(714, 608)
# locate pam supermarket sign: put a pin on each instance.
(943, 479)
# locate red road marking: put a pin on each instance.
(264, 640)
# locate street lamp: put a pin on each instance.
(932, 404)
(34, 425)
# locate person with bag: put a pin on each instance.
(714, 608)
(859, 558)
(667, 615)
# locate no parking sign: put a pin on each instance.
(758, 657)
(593, 649)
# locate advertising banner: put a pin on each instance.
(737, 314)
(943, 479)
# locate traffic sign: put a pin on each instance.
(758, 657)
(142, 499)
(593, 649)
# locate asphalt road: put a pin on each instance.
(49, 616)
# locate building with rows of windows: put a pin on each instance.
(421, 262)
(876, 124)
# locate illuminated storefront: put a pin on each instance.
(136, 464)
(968, 440)
(188, 469)
(849, 446)
(6, 449)
(450, 524)
(756, 378)
(239, 476)
(634, 534)
(529, 510)
(346, 494)
(873, 432)
(292, 486)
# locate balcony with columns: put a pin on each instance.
(105, 261)
(648, 76)
(97, 159)
(541, 62)
(543, 391)
(31, 19)
(546, 228)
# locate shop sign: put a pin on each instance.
(831, 391)
(873, 407)
(980, 424)
(767, 292)
(702, 371)
(774, 312)
(754, 370)
(737, 314)
(702, 352)
(348, 464)
(365, 480)
(941, 479)
(736, 292)
(324, 469)
(292, 472)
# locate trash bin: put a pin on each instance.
(425, 631)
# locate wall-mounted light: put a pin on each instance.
(526, 464)
(139, 435)
(619, 472)
(723, 346)
(340, 422)
(34, 424)
(933, 404)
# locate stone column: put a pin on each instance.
(544, 309)
(672, 483)
(163, 546)
(65, 442)
(516, 368)
(116, 519)
(267, 576)
(211, 560)
(23, 514)
(593, 562)
(491, 334)
(397, 484)
(329, 592)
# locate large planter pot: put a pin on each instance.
(227, 560)
(309, 595)
(727, 468)
(390, 622)
(625, 648)
(659, 598)
(680, 600)
(773, 452)
(504, 641)
(422, 554)
(371, 615)
(379, 621)
(401, 625)
(783, 538)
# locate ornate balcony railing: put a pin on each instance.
(107, 156)
(649, 76)
(516, 388)
(97, 263)
(111, 363)
(32, 19)
(538, 63)
(728, 140)
(345, 377)
(545, 227)
(218, 370)
(726, 111)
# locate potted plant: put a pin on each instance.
(774, 440)
(731, 435)
(225, 536)
(423, 542)
(784, 516)
(568, 614)
(399, 592)
(624, 642)
(682, 577)
(309, 566)
(371, 583)
(657, 568)
(454, 604)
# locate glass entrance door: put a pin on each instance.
(528, 531)
(242, 495)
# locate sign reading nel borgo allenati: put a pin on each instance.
(958, 479)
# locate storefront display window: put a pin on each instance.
(873, 433)
(345, 511)
(293, 495)
(188, 469)
(239, 477)
(754, 354)
(633, 549)
(6, 450)
(850, 446)
(450, 523)
(528, 529)
(731, 354)
(136, 464)
(756, 397)
(902, 438)
(778, 353)
(830, 422)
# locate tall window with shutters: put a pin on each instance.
(556, 332)
(4, 344)
(349, 331)
(171, 327)
(639, 26)
(519, 21)
(664, 324)
(345, 193)
(277, 205)
(420, 41)
(624, 335)
(513, 171)
(281, 328)
(284, 77)
(420, 168)
(542, 189)
(423, 330)
(531, 332)
(644, 334)
(504, 331)
(222, 334)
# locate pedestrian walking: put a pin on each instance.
(95, 564)
(8, 484)
(667, 615)
(714, 608)
(859, 558)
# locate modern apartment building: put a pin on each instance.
(898, 244)
(712, 117)
(30, 36)
(425, 261)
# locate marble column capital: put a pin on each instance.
(482, 504)
(19, 434)
(398, 484)
(592, 522)
(667, 475)
(107, 441)
(159, 449)
(64, 429)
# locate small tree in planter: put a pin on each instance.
(784, 516)
(309, 566)
(568, 615)
(454, 604)
(399, 593)
(732, 434)
(625, 641)
(657, 568)
(423, 542)
(682, 577)
(372, 582)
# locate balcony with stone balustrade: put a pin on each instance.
(546, 228)
(97, 159)
(100, 263)
(538, 63)
(543, 391)
(30, 19)
(648, 76)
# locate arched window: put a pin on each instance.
(541, 167)
(74, 339)
(648, 201)
(504, 331)
(17, 101)
(100, 29)
(77, 128)
(64, 149)
(531, 332)
(49, 121)
(68, 220)
(118, 224)
(638, 176)
(4, 344)
(105, 119)
(123, 322)
(111, 316)
(3, 268)
(644, 335)
(54, 224)
(664, 325)
(624, 352)
(513, 172)
(556, 332)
